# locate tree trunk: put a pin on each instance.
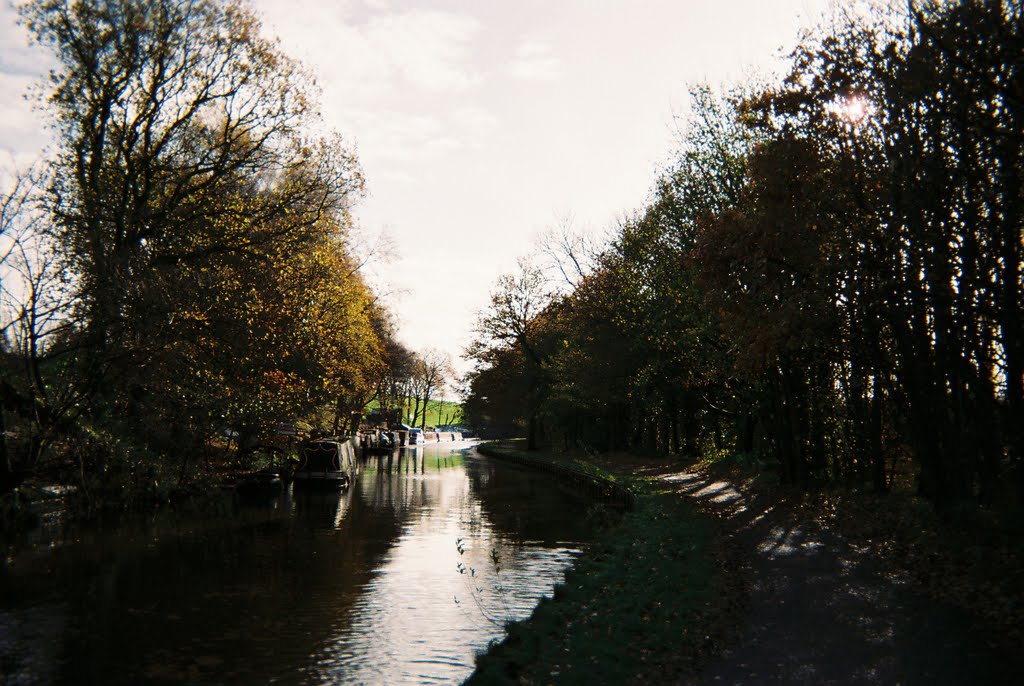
(339, 408)
(1011, 311)
(673, 411)
(690, 424)
(6, 472)
(878, 474)
(788, 426)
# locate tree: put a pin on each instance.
(432, 372)
(639, 343)
(201, 219)
(878, 247)
(629, 356)
(395, 381)
(272, 337)
(831, 266)
(569, 254)
(519, 318)
(38, 397)
(181, 136)
(954, 107)
(496, 392)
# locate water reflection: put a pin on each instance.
(355, 587)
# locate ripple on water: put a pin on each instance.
(356, 588)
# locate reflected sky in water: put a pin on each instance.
(362, 587)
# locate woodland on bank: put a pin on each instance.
(182, 268)
(826, 280)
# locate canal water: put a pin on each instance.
(400, 580)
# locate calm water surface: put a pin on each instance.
(356, 588)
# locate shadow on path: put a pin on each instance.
(823, 610)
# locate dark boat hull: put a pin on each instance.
(321, 481)
(327, 464)
(259, 486)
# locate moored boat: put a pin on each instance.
(378, 442)
(327, 463)
(261, 484)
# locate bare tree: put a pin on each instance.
(433, 372)
(394, 383)
(517, 301)
(36, 318)
(516, 324)
(567, 254)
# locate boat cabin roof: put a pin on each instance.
(322, 455)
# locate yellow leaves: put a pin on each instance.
(193, 316)
(300, 321)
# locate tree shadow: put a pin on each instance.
(826, 610)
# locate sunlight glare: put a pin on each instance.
(853, 109)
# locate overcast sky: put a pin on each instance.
(482, 123)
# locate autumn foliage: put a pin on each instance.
(825, 281)
(183, 277)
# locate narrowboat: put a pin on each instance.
(326, 463)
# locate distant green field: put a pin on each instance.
(438, 412)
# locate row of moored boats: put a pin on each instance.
(323, 464)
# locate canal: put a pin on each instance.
(400, 580)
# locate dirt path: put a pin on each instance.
(826, 610)
(823, 610)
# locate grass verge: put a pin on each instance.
(629, 611)
(607, 486)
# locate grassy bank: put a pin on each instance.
(627, 612)
(586, 476)
(438, 412)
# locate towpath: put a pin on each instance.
(826, 607)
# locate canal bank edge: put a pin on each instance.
(585, 476)
(650, 601)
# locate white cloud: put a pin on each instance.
(382, 69)
(396, 177)
(442, 145)
(23, 132)
(366, 57)
(18, 58)
(474, 120)
(396, 137)
(391, 136)
(476, 126)
(428, 48)
(534, 60)
(16, 111)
